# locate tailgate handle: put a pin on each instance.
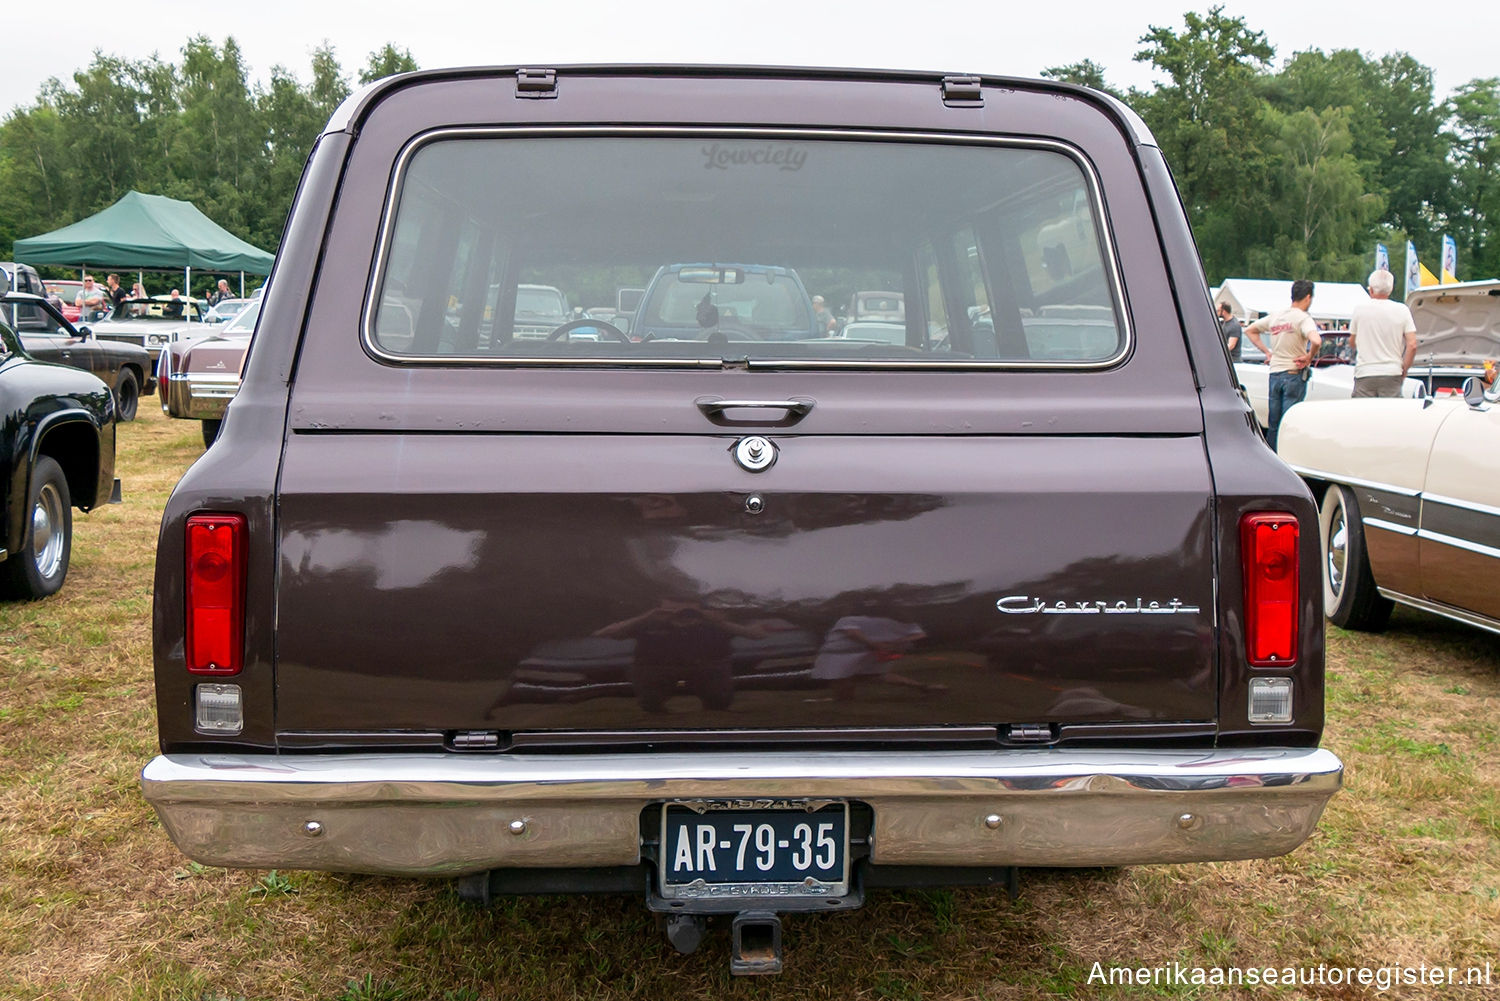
(715, 409)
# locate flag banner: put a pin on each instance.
(1450, 260)
(1413, 276)
(1382, 258)
(1427, 277)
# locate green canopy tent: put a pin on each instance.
(147, 231)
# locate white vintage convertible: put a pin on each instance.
(1409, 492)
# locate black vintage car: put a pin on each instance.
(57, 452)
(47, 336)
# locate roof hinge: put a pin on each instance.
(962, 92)
(536, 83)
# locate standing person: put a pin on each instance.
(823, 320)
(89, 300)
(1384, 338)
(1230, 328)
(1294, 338)
(117, 294)
(220, 294)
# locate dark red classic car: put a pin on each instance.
(739, 617)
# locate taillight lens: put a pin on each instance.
(215, 593)
(1268, 546)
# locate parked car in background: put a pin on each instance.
(197, 379)
(57, 452)
(225, 310)
(1409, 490)
(888, 307)
(66, 292)
(540, 309)
(155, 322)
(126, 368)
(1409, 501)
(1458, 330)
(23, 278)
(754, 301)
(1331, 378)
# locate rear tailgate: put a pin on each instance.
(539, 582)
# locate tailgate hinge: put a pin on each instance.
(475, 740)
(1029, 733)
(536, 83)
(962, 92)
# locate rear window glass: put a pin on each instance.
(766, 251)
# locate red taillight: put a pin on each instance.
(1268, 545)
(215, 593)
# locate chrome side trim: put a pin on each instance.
(1319, 474)
(1464, 504)
(450, 814)
(1446, 611)
(1465, 544)
(1390, 526)
(373, 289)
(200, 397)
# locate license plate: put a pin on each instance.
(738, 849)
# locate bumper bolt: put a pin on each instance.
(1189, 822)
(312, 829)
(993, 821)
(518, 827)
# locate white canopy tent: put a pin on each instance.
(1332, 306)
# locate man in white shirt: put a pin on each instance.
(1384, 339)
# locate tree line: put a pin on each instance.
(1298, 170)
(195, 130)
(1289, 170)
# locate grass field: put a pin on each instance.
(96, 903)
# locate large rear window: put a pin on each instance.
(750, 250)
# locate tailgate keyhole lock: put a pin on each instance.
(755, 453)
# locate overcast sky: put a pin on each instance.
(1457, 38)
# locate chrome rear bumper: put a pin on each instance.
(451, 814)
(200, 397)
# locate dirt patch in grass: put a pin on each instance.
(96, 903)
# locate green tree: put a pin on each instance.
(1476, 177)
(387, 61)
(1208, 121)
(1086, 73)
(1396, 128)
(1322, 210)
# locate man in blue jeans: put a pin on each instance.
(1294, 340)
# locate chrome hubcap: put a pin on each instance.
(46, 531)
(1338, 542)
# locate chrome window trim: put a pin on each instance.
(419, 142)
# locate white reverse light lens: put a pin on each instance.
(220, 709)
(1271, 700)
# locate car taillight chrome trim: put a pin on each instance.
(1272, 568)
(215, 593)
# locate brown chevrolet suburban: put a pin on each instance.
(724, 611)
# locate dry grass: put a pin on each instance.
(96, 903)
